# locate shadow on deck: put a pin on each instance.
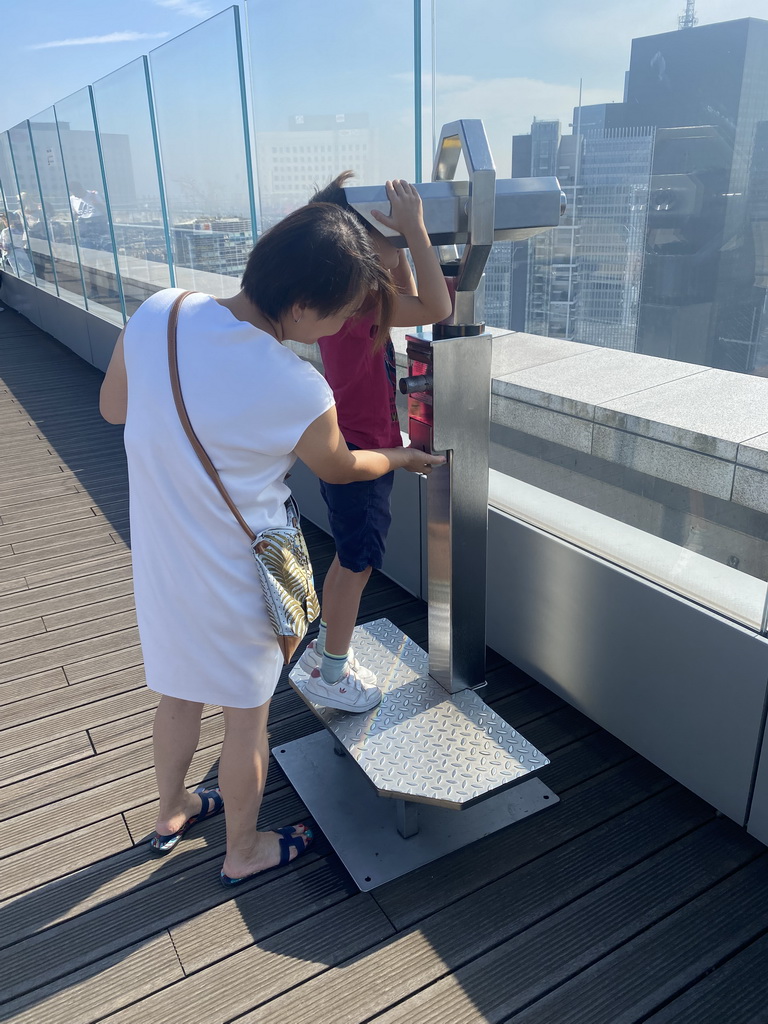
(629, 901)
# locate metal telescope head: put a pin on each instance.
(474, 213)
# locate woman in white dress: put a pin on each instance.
(255, 406)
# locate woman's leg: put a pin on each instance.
(242, 775)
(176, 734)
(342, 591)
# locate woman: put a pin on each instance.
(255, 405)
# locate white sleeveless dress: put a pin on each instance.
(203, 624)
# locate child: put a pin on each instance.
(361, 372)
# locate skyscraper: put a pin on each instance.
(667, 247)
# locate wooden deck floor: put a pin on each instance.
(629, 901)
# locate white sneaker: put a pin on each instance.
(350, 693)
(310, 660)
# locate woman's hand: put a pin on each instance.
(405, 216)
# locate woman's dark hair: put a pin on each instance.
(319, 256)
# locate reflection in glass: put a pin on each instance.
(14, 253)
(350, 108)
(88, 203)
(130, 167)
(29, 232)
(58, 213)
(206, 161)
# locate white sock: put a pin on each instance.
(320, 642)
(332, 667)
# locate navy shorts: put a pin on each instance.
(359, 515)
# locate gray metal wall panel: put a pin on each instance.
(67, 323)
(681, 686)
(23, 297)
(103, 336)
(758, 812)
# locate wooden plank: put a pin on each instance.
(81, 565)
(32, 511)
(35, 555)
(91, 848)
(36, 571)
(103, 987)
(21, 630)
(46, 822)
(674, 952)
(12, 585)
(53, 754)
(408, 900)
(139, 727)
(737, 992)
(68, 593)
(68, 635)
(511, 937)
(121, 732)
(42, 533)
(87, 935)
(279, 962)
(101, 768)
(81, 715)
(21, 689)
(104, 664)
(71, 656)
(54, 610)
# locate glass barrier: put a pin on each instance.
(199, 90)
(350, 108)
(32, 245)
(125, 121)
(14, 250)
(89, 204)
(58, 212)
(658, 464)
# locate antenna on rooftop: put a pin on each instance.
(689, 19)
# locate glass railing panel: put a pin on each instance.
(125, 122)
(14, 251)
(349, 106)
(56, 206)
(657, 464)
(89, 204)
(199, 91)
(33, 245)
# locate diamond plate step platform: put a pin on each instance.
(427, 750)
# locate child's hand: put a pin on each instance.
(417, 461)
(405, 217)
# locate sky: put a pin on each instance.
(506, 61)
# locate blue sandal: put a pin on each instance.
(288, 841)
(212, 804)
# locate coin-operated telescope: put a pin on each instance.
(449, 379)
(433, 746)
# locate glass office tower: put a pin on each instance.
(667, 189)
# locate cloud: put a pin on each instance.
(192, 8)
(507, 105)
(113, 37)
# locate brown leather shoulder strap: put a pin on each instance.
(173, 367)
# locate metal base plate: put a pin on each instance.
(433, 752)
(362, 827)
(422, 743)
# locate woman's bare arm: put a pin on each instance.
(113, 397)
(323, 449)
